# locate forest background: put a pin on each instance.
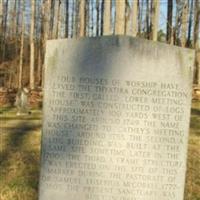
(25, 25)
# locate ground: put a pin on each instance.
(192, 191)
(20, 155)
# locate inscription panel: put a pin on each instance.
(116, 118)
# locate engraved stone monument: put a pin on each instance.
(116, 119)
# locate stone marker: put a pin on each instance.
(116, 119)
(22, 102)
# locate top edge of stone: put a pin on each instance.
(124, 37)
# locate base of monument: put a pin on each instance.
(23, 114)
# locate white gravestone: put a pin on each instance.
(116, 119)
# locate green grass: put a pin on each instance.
(19, 155)
(192, 191)
(20, 151)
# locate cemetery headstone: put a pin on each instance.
(116, 119)
(22, 101)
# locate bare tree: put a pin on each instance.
(21, 47)
(1, 14)
(140, 16)
(17, 35)
(77, 19)
(106, 17)
(32, 50)
(155, 19)
(1, 24)
(135, 18)
(184, 20)
(190, 23)
(196, 24)
(72, 18)
(14, 14)
(197, 40)
(45, 21)
(66, 18)
(97, 16)
(120, 17)
(57, 19)
(4, 32)
(45, 31)
(82, 17)
(92, 17)
(177, 28)
(102, 13)
(127, 18)
(51, 15)
(169, 22)
(87, 18)
(147, 19)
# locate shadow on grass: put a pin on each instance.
(11, 114)
(195, 124)
(195, 111)
(19, 161)
(5, 109)
(195, 118)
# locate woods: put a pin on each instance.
(26, 25)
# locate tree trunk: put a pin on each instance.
(17, 27)
(177, 29)
(196, 40)
(82, 18)
(92, 16)
(120, 17)
(97, 17)
(20, 84)
(127, 18)
(46, 15)
(184, 18)
(140, 9)
(87, 18)
(76, 19)
(14, 14)
(58, 19)
(1, 28)
(4, 36)
(45, 33)
(169, 22)
(106, 17)
(155, 19)
(72, 18)
(52, 14)
(135, 18)
(66, 18)
(32, 79)
(196, 24)
(1, 15)
(147, 19)
(102, 14)
(190, 24)
(39, 66)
